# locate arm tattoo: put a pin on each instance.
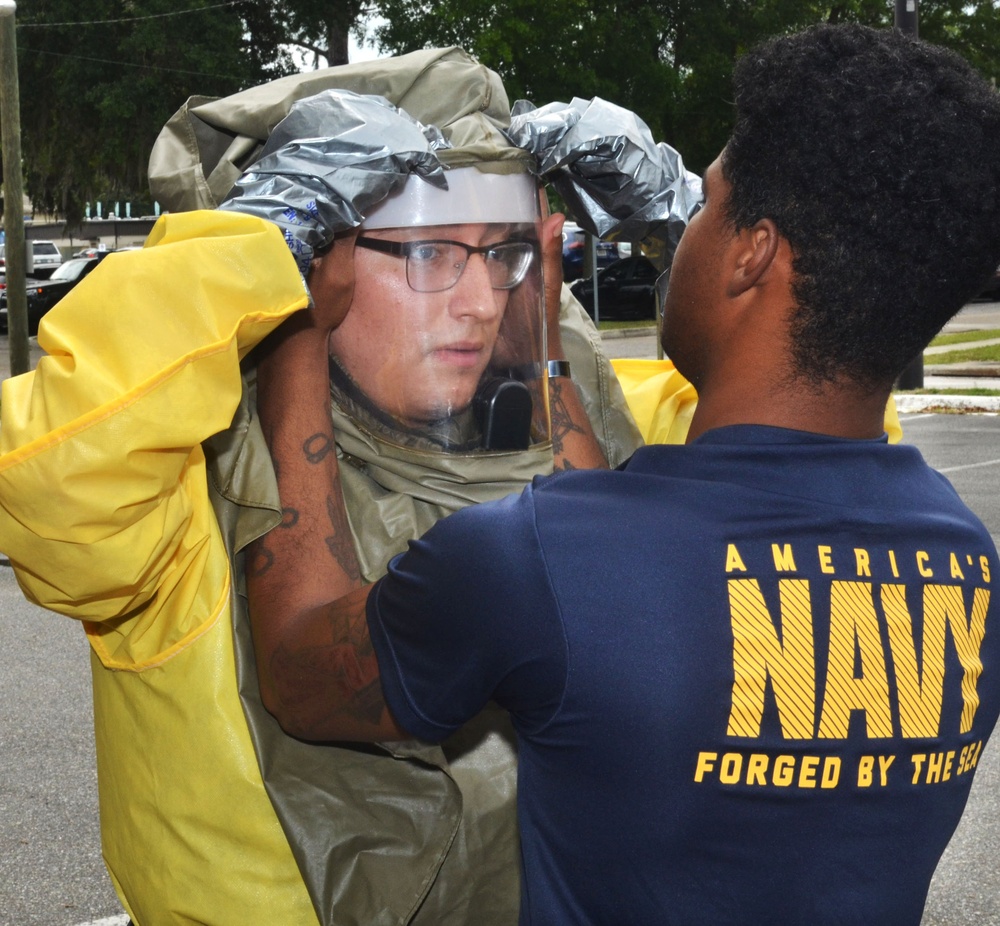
(318, 447)
(341, 542)
(562, 423)
(342, 674)
(289, 517)
(259, 559)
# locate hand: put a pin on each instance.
(333, 157)
(331, 283)
(552, 272)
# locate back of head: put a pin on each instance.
(878, 158)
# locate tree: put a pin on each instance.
(99, 81)
(322, 27)
(668, 60)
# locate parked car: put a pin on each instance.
(43, 294)
(46, 258)
(625, 290)
(575, 252)
(991, 290)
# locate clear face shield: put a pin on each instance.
(443, 346)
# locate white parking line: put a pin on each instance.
(108, 921)
(955, 469)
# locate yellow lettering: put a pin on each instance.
(784, 561)
(784, 771)
(919, 693)
(807, 771)
(974, 758)
(984, 565)
(758, 655)
(949, 760)
(956, 570)
(968, 637)
(706, 763)
(961, 759)
(866, 766)
(918, 763)
(854, 628)
(892, 563)
(922, 566)
(883, 768)
(831, 772)
(825, 560)
(729, 770)
(733, 561)
(935, 762)
(757, 769)
(862, 560)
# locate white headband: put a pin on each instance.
(472, 197)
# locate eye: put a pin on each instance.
(428, 252)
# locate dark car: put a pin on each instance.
(625, 290)
(43, 294)
(575, 252)
(991, 290)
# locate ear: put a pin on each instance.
(757, 251)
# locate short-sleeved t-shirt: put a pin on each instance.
(751, 677)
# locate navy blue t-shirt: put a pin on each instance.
(751, 677)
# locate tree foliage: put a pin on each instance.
(99, 80)
(668, 60)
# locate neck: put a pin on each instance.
(837, 409)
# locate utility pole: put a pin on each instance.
(906, 22)
(13, 213)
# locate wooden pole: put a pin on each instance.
(13, 213)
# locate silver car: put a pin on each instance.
(46, 258)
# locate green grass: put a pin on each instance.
(965, 337)
(613, 326)
(991, 352)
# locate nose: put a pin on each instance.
(473, 294)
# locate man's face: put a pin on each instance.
(696, 282)
(419, 356)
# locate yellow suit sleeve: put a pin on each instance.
(663, 402)
(104, 510)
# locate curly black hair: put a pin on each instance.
(878, 158)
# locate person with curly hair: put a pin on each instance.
(751, 677)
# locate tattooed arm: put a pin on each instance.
(318, 673)
(574, 445)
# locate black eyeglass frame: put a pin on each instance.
(403, 249)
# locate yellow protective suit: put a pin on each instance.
(105, 517)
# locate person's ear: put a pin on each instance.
(757, 251)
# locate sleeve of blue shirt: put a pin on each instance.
(467, 615)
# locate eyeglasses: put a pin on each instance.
(434, 266)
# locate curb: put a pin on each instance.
(616, 333)
(983, 404)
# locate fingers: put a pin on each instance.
(552, 273)
(331, 282)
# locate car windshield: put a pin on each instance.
(71, 269)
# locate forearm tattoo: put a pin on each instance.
(341, 542)
(344, 672)
(318, 447)
(562, 422)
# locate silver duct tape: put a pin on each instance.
(329, 161)
(615, 180)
